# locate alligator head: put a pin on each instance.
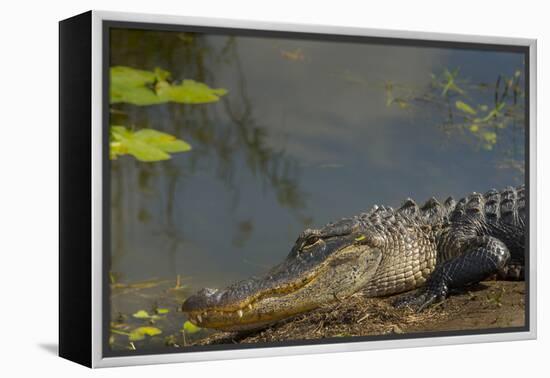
(323, 266)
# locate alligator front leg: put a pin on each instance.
(483, 257)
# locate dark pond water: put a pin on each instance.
(309, 132)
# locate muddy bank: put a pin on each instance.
(490, 304)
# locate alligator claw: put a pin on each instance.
(418, 301)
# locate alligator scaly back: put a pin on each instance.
(484, 235)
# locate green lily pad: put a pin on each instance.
(190, 92)
(162, 141)
(490, 137)
(140, 87)
(140, 333)
(145, 145)
(190, 327)
(141, 314)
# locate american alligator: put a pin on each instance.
(437, 247)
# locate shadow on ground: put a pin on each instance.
(50, 348)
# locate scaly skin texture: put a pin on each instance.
(436, 247)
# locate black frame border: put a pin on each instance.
(75, 189)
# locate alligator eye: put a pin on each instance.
(310, 242)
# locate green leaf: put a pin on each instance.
(190, 327)
(161, 311)
(143, 151)
(490, 137)
(450, 84)
(161, 75)
(474, 128)
(190, 92)
(130, 77)
(130, 85)
(140, 333)
(140, 87)
(465, 108)
(145, 145)
(162, 141)
(141, 314)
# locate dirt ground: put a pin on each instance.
(490, 304)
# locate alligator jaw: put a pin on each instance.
(309, 277)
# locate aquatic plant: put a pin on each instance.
(142, 88)
(489, 114)
(144, 144)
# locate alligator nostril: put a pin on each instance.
(208, 291)
(204, 298)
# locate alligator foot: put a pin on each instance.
(420, 300)
(514, 271)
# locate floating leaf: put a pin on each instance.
(161, 311)
(162, 141)
(141, 314)
(140, 333)
(465, 108)
(128, 77)
(140, 87)
(190, 327)
(130, 85)
(161, 75)
(490, 137)
(144, 145)
(190, 92)
(474, 128)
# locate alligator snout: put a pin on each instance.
(204, 298)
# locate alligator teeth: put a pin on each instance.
(240, 313)
(199, 318)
